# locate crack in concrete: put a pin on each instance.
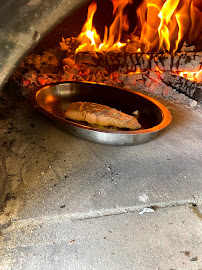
(19, 223)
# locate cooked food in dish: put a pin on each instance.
(102, 115)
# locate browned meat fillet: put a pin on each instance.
(94, 113)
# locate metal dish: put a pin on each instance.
(53, 99)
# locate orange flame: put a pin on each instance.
(89, 38)
(163, 25)
(192, 76)
(165, 16)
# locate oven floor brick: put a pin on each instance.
(66, 195)
(49, 168)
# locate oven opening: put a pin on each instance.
(154, 48)
(85, 195)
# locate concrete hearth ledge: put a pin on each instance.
(169, 238)
(74, 204)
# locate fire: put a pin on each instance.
(89, 38)
(165, 16)
(163, 25)
(167, 24)
(192, 76)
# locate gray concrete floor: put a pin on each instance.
(74, 204)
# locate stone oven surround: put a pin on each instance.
(23, 24)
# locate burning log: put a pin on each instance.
(190, 88)
(137, 62)
(151, 82)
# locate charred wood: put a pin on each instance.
(89, 59)
(189, 88)
(125, 61)
(69, 45)
(137, 62)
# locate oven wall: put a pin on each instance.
(23, 24)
